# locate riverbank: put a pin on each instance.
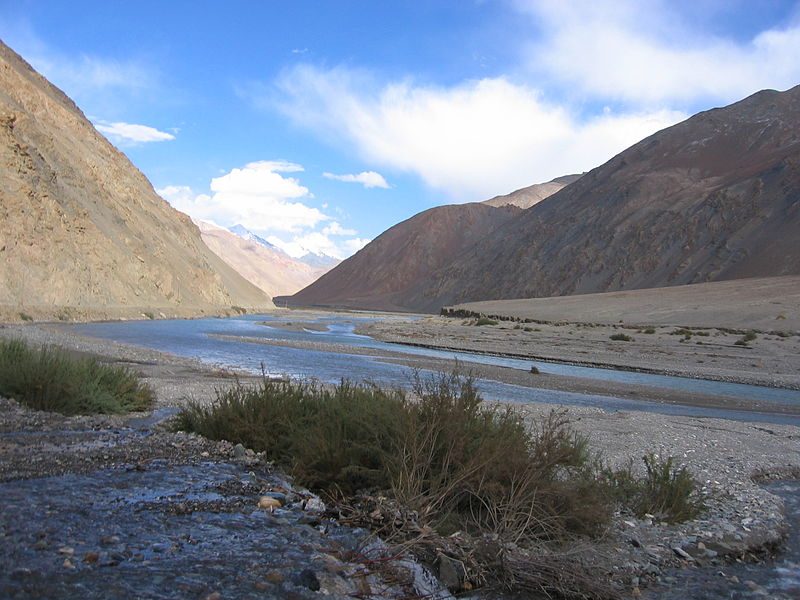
(542, 380)
(711, 353)
(727, 457)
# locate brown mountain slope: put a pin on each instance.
(715, 197)
(378, 276)
(533, 194)
(82, 227)
(272, 271)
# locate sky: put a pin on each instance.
(320, 124)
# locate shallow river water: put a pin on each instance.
(778, 578)
(192, 338)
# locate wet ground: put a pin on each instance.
(92, 512)
(776, 578)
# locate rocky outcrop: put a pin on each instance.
(82, 228)
(380, 275)
(266, 266)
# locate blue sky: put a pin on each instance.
(319, 124)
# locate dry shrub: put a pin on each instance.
(438, 472)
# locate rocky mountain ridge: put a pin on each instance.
(82, 229)
(533, 194)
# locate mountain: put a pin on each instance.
(261, 263)
(248, 235)
(533, 194)
(322, 262)
(713, 198)
(83, 232)
(319, 260)
(379, 275)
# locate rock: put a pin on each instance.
(91, 557)
(315, 505)
(682, 553)
(269, 503)
(239, 451)
(307, 578)
(66, 551)
(450, 572)
(108, 540)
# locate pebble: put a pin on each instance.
(269, 503)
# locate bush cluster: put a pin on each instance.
(48, 379)
(485, 321)
(461, 464)
(621, 337)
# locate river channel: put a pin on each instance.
(200, 339)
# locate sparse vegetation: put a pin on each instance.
(149, 315)
(649, 330)
(621, 337)
(48, 379)
(25, 316)
(746, 339)
(485, 321)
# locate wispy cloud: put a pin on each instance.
(472, 140)
(650, 52)
(129, 133)
(369, 179)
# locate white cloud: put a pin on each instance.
(258, 197)
(130, 133)
(474, 140)
(368, 179)
(647, 52)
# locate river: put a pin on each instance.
(198, 339)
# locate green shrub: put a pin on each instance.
(746, 339)
(665, 491)
(48, 379)
(621, 337)
(485, 321)
(25, 316)
(326, 437)
(649, 330)
(461, 464)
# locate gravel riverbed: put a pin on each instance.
(57, 466)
